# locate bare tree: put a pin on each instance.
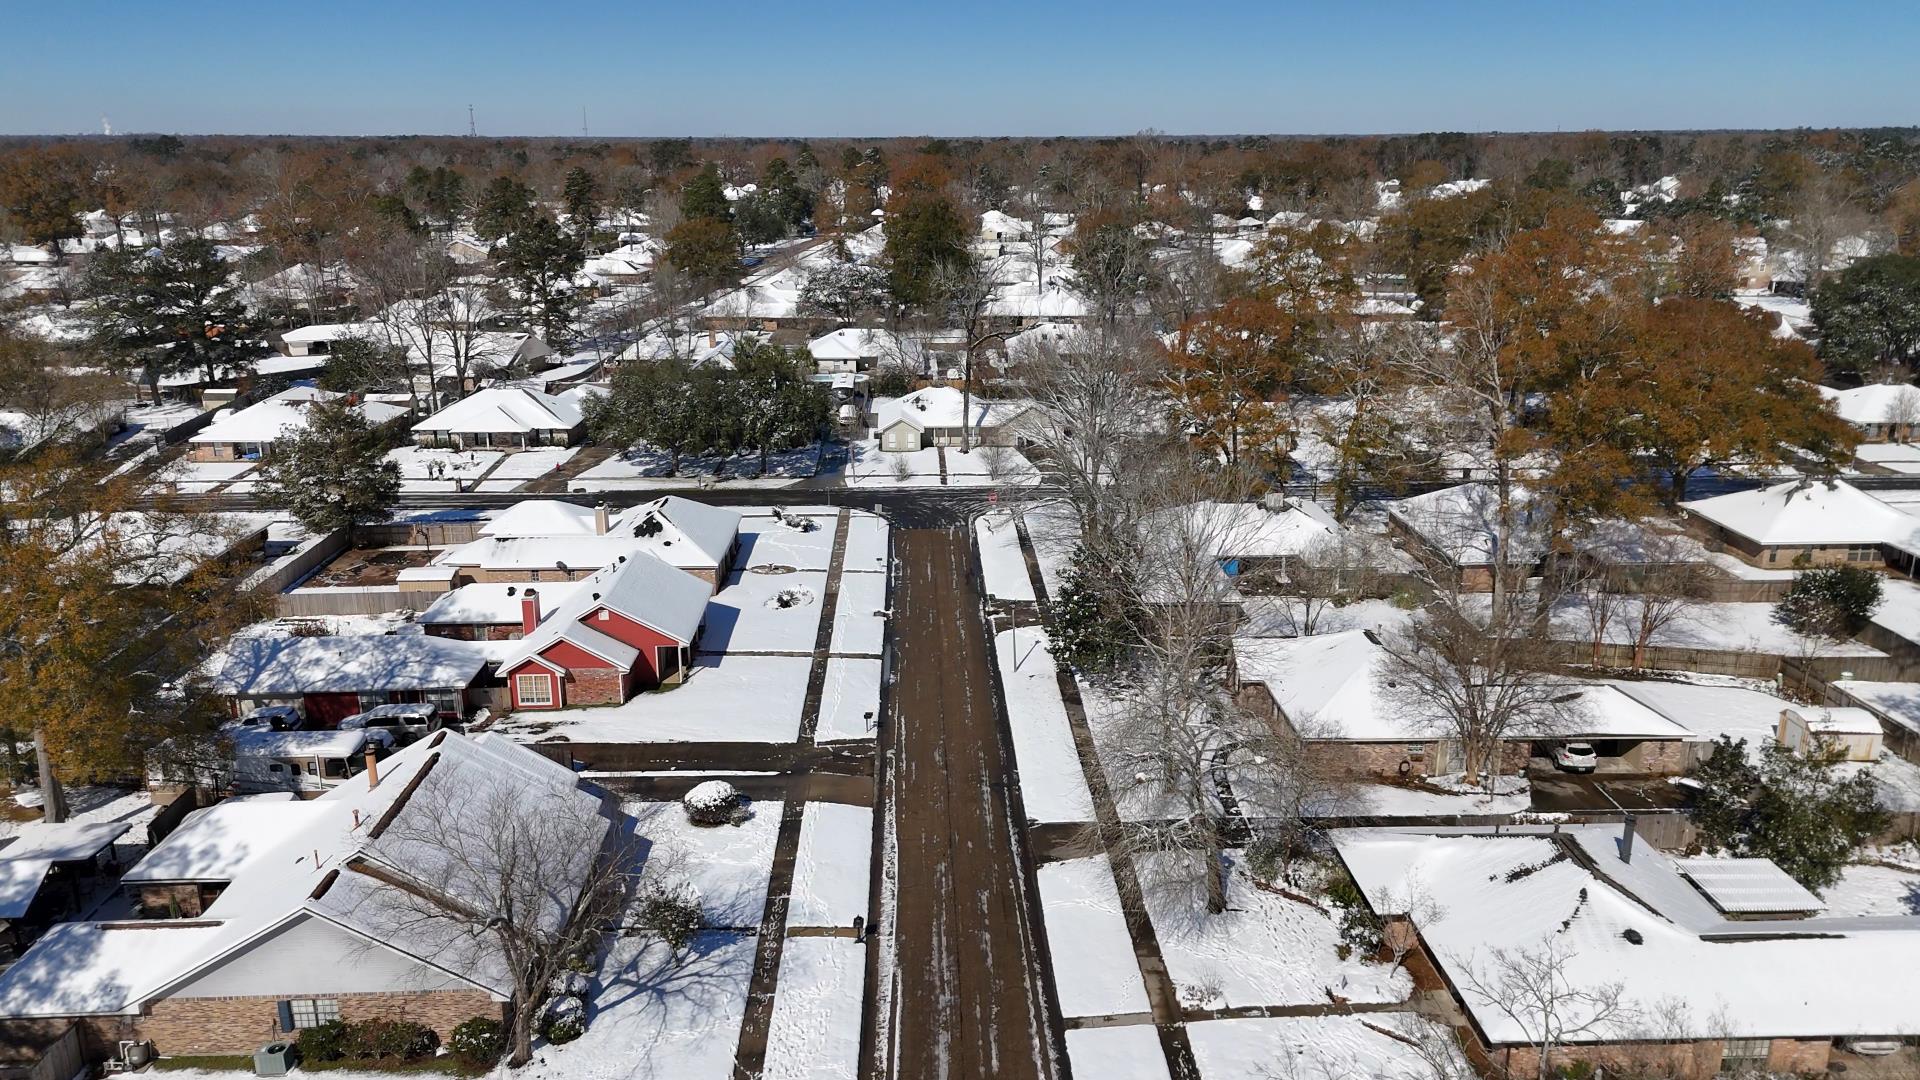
(1668, 586)
(1333, 571)
(498, 868)
(1533, 988)
(1903, 412)
(1478, 674)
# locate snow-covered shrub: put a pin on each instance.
(672, 915)
(562, 1019)
(714, 802)
(478, 1042)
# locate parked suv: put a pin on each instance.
(407, 722)
(1575, 757)
(273, 718)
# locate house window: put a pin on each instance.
(605, 615)
(1862, 553)
(1745, 1053)
(312, 1012)
(533, 689)
(1416, 748)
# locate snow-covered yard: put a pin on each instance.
(870, 466)
(990, 466)
(867, 544)
(1390, 800)
(198, 477)
(815, 1032)
(1378, 1046)
(431, 463)
(1093, 961)
(859, 619)
(1265, 949)
(1052, 783)
(830, 873)
(727, 866)
(849, 699)
(765, 613)
(1874, 890)
(725, 699)
(533, 464)
(766, 541)
(1117, 1053)
(1731, 627)
(1002, 564)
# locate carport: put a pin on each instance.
(1628, 738)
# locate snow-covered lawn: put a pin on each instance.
(815, 1032)
(1731, 627)
(830, 872)
(533, 464)
(1055, 533)
(870, 466)
(1874, 890)
(648, 467)
(1093, 961)
(430, 463)
(859, 625)
(1388, 800)
(725, 699)
(1323, 1048)
(990, 466)
(867, 543)
(748, 617)
(1001, 562)
(199, 477)
(1263, 950)
(727, 866)
(764, 541)
(849, 699)
(1052, 783)
(1117, 1053)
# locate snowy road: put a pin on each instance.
(967, 1000)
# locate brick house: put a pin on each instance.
(330, 678)
(504, 418)
(1455, 532)
(629, 627)
(301, 921)
(1725, 966)
(1810, 522)
(248, 434)
(487, 611)
(1330, 690)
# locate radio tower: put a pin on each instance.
(106, 126)
(470, 131)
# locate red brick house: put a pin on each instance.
(626, 628)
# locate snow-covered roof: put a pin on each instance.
(282, 414)
(338, 865)
(20, 881)
(542, 517)
(681, 532)
(66, 841)
(333, 331)
(1838, 720)
(214, 842)
(489, 603)
(1802, 512)
(1639, 924)
(941, 407)
(320, 742)
(1462, 523)
(275, 667)
(504, 410)
(1748, 886)
(1249, 530)
(1878, 403)
(854, 343)
(639, 587)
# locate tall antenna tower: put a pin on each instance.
(470, 129)
(583, 121)
(106, 125)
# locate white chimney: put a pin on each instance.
(600, 522)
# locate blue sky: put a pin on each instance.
(870, 68)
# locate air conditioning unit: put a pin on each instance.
(275, 1058)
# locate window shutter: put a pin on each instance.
(286, 1015)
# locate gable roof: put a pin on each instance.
(854, 343)
(710, 529)
(542, 517)
(637, 586)
(505, 409)
(338, 864)
(1803, 512)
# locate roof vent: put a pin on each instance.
(1633, 936)
(511, 590)
(596, 596)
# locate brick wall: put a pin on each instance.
(594, 686)
(1799, 1055)
(1663, 757)
(241, 1025)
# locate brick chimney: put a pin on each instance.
(600, 522)
(529, 612)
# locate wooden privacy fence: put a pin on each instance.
(344, 600)
(316, 554)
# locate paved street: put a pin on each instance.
(967, 1000)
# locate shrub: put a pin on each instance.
(478, 1042)
(1360, 928)
(381, 1040)
(563, 1019)
(715, 802)
(1832, 602)
(672, 915)
(1264, 857)
(324, 1042)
